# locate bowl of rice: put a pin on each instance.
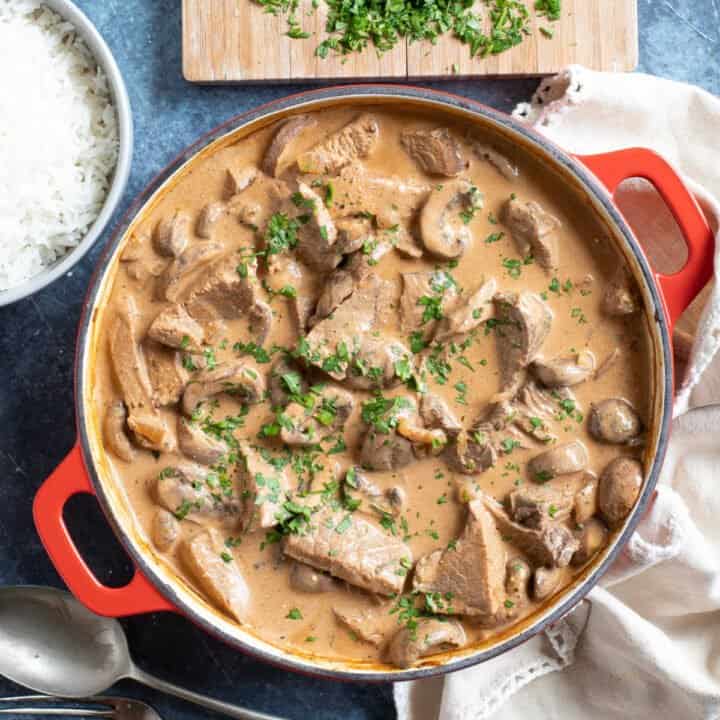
(65, 141)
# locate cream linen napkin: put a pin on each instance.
(646, 644)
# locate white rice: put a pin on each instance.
(58, 139)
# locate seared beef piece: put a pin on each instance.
(333, 406)
(353, 142)
(192, 264)
(533, 230)
(373, 363)
(517, 580)
(174, 328)
(239, 179)
(188, 491)
(208, 217)
(470, 453)
(260, 318)
(537, 505)
(419, 288)
(353, 234)
(620, 296)
(277, 156)
(205, 556)
(564, 371)
(114, 431)
(349, 546)
(382, 451)
(430, 637)
(496, 159)
(198, 445)
(165, 530)
(131, 372)
(473, 572)
(301, 309)
(222, 293)
(468, 315)
(407, 244)
(436, 414)
(259, 201)
(437, 152)
(349, 326)
(562, 459)
(522, 323)
(168, 378)
(552, 545)
(317, 238)
(533, 403)
(240, 379)
(392, 201)
(139, 260)
(443, 221)
(172, 234)
(279, 388)
(263, 489)
(371, 625)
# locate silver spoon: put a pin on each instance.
(52, 644)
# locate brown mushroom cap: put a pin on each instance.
(592, 537)
(619, 489)
(561, 460)
(304, 578)
(614, 421)
(545, 582)
(429, 637)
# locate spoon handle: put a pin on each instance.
(233, 711)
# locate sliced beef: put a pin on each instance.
(435, 413)
(353, 142)
(239, 179)
(351, 547)
(115, 433)
(194, 492)
(331, 410)
(208, 218)
(263, 489)
(181, 272)
(363, 312)
(372, 624)
(198, 445)
(538, 505)
(522, 323)
(437, 152)
(620, 296)
(259, 201)
(473, 572)
(172, 234)
(278, 154)
(444, 220)
(373, 363)
(168, 378)
(285, 376)
(353, 234)
(239, 379)
(533, 230)
(381, 451)
(552, 545)
(535, 409)
(301, 309)
(217, 573)
(174, 328)
(430, 637)
(502, 164)
(317, 238)
(128, 362)
(470, 453)
(468, 315)
(420, 289)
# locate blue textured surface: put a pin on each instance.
(679, 39)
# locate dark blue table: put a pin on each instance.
(679, 39)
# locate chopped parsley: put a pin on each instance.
(281, 234)
(294, 614)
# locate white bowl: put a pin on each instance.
(116, 84)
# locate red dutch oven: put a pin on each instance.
(591, 179)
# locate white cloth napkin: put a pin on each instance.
(646, 643)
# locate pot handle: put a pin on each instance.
(680, 288)
(68, 479)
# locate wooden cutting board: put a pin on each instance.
(235, 41)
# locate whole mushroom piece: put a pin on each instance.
(614, 421)
(561, 460)
(619, 489)
(431, 636)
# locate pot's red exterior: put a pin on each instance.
(71, 477)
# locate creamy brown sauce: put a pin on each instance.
(435, 510)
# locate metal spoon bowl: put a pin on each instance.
(52, 644)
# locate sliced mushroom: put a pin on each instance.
(381, 451)
(165, 530)
(592, 537)
(470, 453)
(618, 489)
(516, 585)
(172, 234)
(443, 219)
(561, 460)
(238, 180)
(198, 445)
(436, 151)
(614, 421)
(207, 218)
(620, 297)
(436, 414)
(564, 372)
(276, 156)
(178, 274)
(585, 505)
(545, 582)
(429, 637)
(240, 379)
(115, 433)
(304, 578)
(496, 159)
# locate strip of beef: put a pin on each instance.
(285, 379)
(239, 179)
(620, 296)
(317, 237)
(351, 547)
(538, 505)
(174, 328)
(371, 625)
(239, 379)
(263, 489)
(277, 156)
(430, 637)
(533, 230)
(172, 234)
(553, 545)
(435, 413)
(353, 142)
(197, 445)
(191, 491)
(331, 410)
(208, 217)
(536, 409)
(468, 315)
(183, 270)
(206, 557)
(332, 341)
(522, 323)
(473, 572)
(496, 159)
(437, 152)
(422, 291)
(373, 363)
(168, 378)
(128, 361)
(255, 204)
